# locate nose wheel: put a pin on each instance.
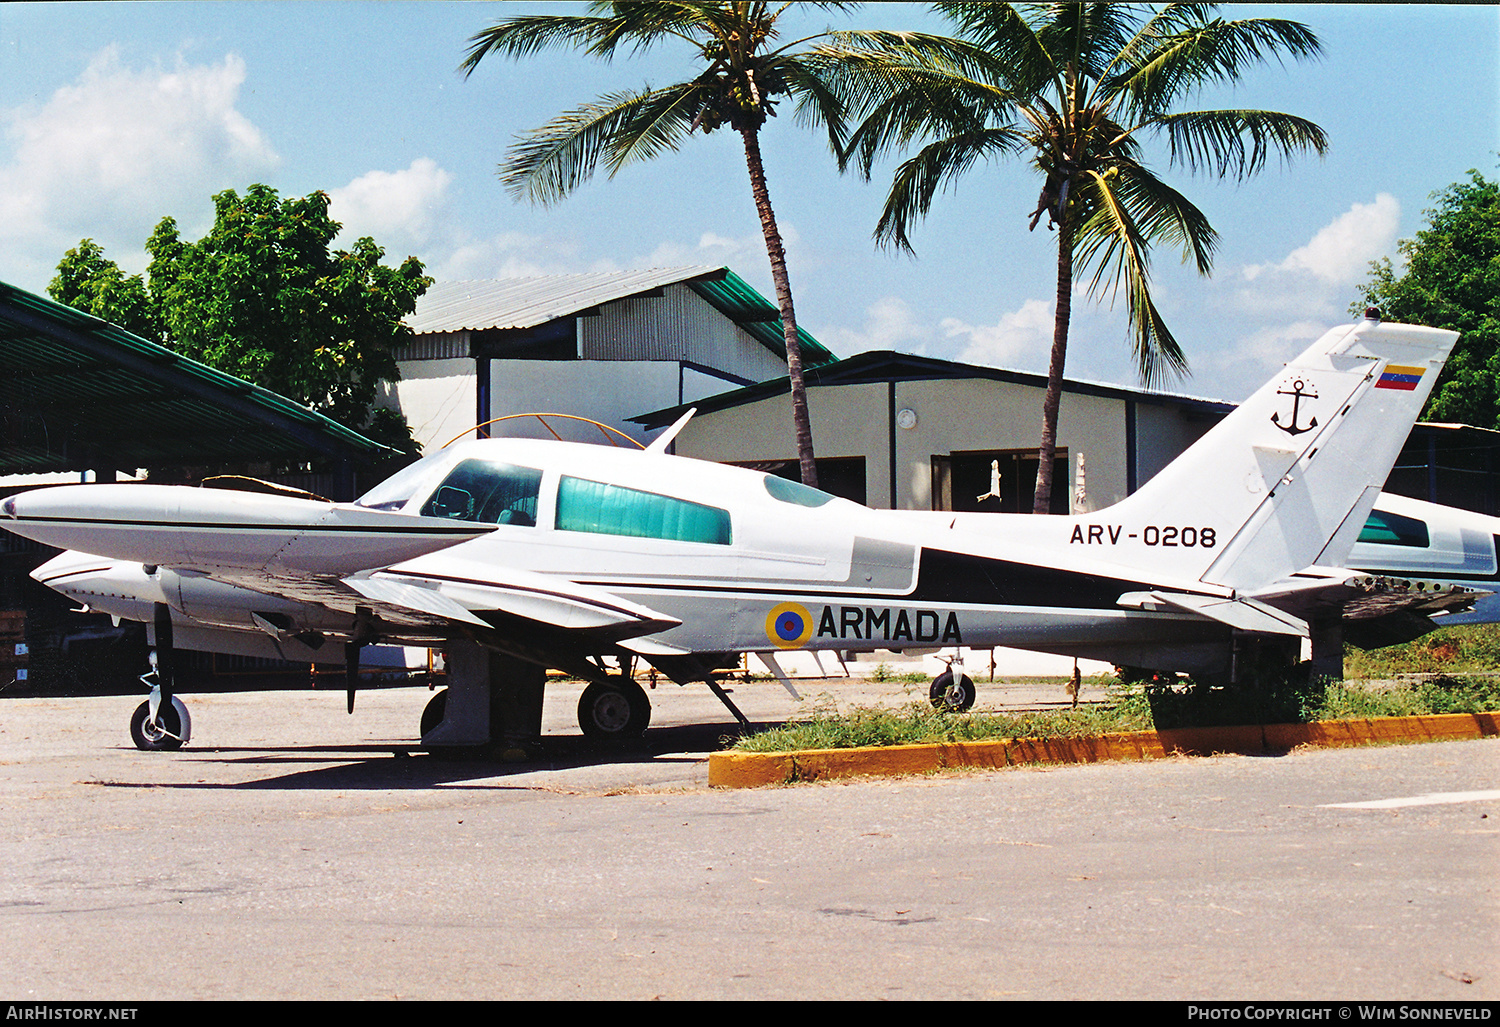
(163, 733)
(952, 692)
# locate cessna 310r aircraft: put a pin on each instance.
(516, 555)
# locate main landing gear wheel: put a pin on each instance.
(614, 711)
(948, 694)
(163, 736)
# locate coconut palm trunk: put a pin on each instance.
(1042, 501)
(801, 423)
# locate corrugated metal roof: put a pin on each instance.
(529, 302)
(79, 392)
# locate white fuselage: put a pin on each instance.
(796, 569)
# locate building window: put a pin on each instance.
(966, 482)
(614, 510)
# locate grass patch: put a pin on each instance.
(883, 672)
(1129, 708)
(919, 722)
(1464, 649)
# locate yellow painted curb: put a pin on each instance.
(752, 769)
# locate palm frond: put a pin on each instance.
(522, 37)
(1010, 37)
(1236, 142)
(928, 106)
(1117, 245)
(918, 180)
(1085, 37)
(549, 162)
(817, 103)
(1174, 56)
(1162, 216)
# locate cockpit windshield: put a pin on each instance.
(488, 492)
(397, 490)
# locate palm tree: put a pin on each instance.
(1075, 86)
(744, 73)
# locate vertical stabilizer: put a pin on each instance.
(1266, 492)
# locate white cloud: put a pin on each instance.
(505, 255)
(110, 154)
(1341, 251)
(396, 208)
(889, 325)
(1017, 338)
(745, 255)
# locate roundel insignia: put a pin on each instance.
(789, 626)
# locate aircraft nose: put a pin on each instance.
(8, 508)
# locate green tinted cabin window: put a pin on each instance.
(1388, 529)
(492, 493)
(614, 510)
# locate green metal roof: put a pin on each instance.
(80, 393)
(757, 316)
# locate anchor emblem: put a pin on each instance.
(1299, 391)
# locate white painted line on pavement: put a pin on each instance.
(1435, 799)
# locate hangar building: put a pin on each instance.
(604, 345)
(896, 431)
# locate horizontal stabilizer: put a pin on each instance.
(1356, 596)
(1244, 614)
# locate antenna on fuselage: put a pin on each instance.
(662, 441)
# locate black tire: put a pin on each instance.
(946, 695)
(614, 711)
(160, 737)
(433, 714)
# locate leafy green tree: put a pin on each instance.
(263, 297)
(743, 72)
(87, 280)
(1075, 88)
(1452, 280)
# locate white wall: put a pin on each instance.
(436, 397)
(609, 391)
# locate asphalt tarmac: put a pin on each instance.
(290, 853)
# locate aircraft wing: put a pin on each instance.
(507, 596)
(537, 617)
(298, 568)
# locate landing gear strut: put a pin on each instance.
(161, 723)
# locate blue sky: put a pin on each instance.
(113, 115)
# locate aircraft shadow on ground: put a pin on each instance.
(396, 766)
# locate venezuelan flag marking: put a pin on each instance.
(1399, 377)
